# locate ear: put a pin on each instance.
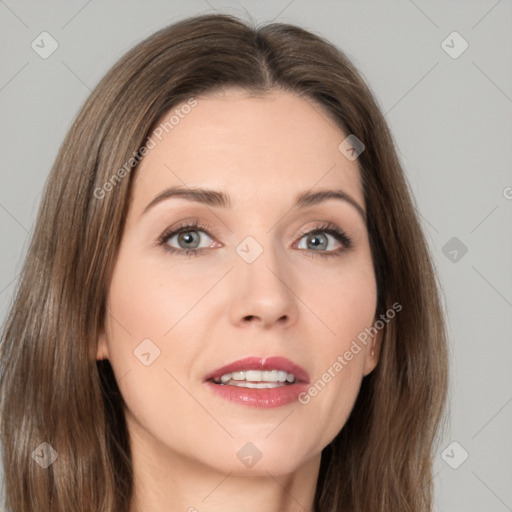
(372, 353)
(102, 347)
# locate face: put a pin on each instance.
(199, 285)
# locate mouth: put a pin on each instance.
(256, 379)
(260, 382)
(264, 372)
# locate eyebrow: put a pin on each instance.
(220, 199)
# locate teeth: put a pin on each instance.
(254, 376)
(256, 385)
(247, 377)
(281, 376)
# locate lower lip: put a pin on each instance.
(265, 398)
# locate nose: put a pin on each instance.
(263, 291)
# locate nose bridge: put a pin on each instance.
(262, 279)
(260, 259)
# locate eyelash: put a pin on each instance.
(328, 228)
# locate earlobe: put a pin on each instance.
(372, 354)
(102, 348)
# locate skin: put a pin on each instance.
(204, 312)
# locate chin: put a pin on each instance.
(257, 459)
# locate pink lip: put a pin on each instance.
(264, 398)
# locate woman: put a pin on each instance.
(228, 302)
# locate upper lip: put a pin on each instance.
(261, 363)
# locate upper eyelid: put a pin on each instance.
(194, 227)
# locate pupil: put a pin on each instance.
(188, 237)
(316, 241)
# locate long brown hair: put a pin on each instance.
(53, 390)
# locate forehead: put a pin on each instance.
(263, 148)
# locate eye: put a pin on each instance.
(187, 238)
(321, 239)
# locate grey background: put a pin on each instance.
(451, 119)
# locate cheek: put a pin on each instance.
(344, 298)
(149, 326)
(149, 301)
(151, 340)
(345, 301)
